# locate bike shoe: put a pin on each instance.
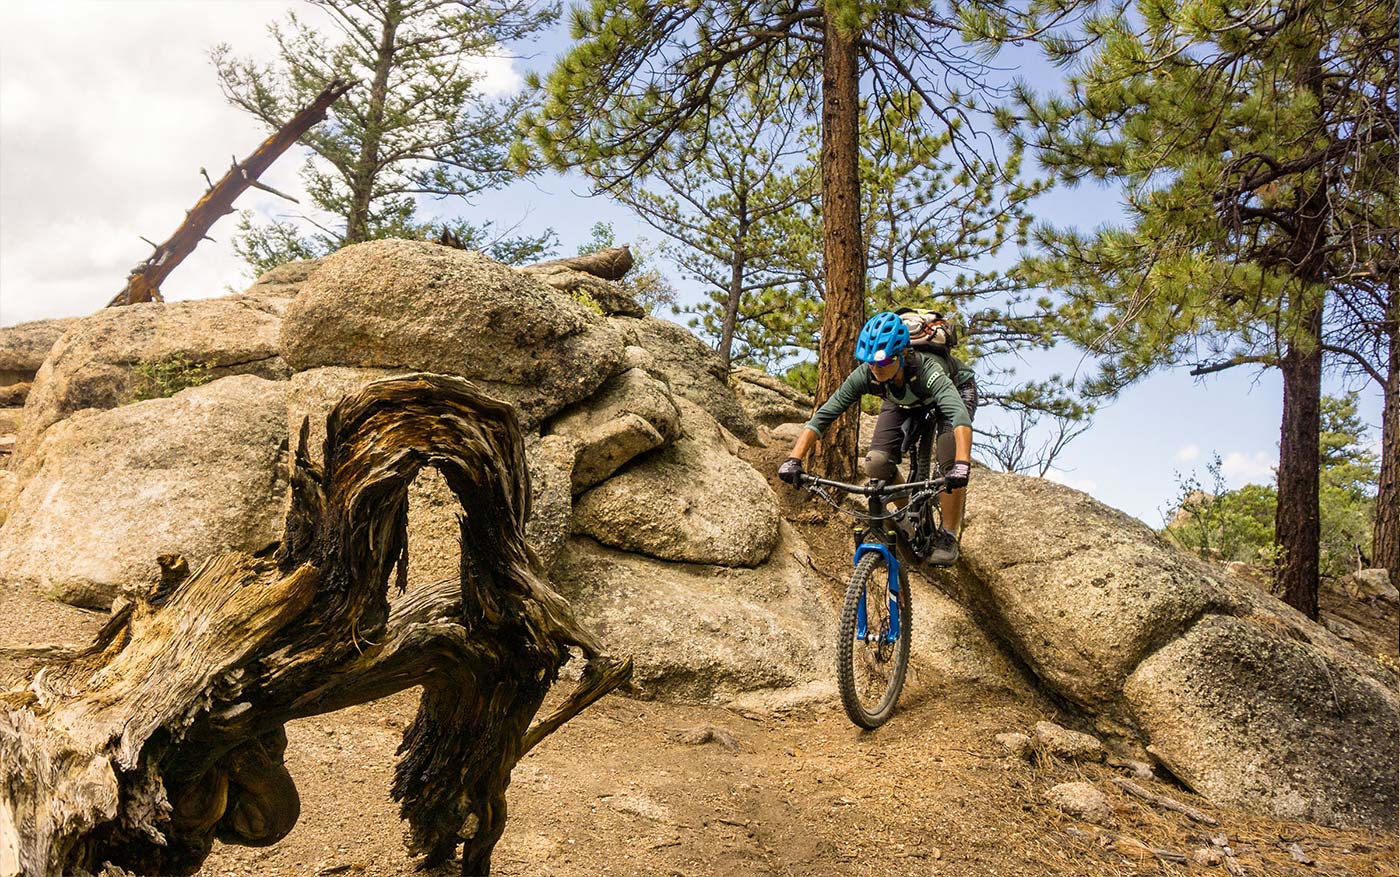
(945, 549)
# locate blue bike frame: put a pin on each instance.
(891, 564)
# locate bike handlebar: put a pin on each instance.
(873, 489)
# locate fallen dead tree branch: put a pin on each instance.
(168, 732)
(611, 263)
(1165, 803)
(143, 283)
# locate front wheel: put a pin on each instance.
(873, 651)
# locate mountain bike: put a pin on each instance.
(872, 650)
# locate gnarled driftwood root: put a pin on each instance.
(168, 731)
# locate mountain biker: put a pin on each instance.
(911, 383)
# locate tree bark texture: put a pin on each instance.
(143, 284)
(168, 731)
(844, 251)
(1296, 521)
(367, 168)
(1385, 539)
(737, 264)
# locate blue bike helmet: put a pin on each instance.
(884, 336)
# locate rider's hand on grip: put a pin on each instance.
(957, 476)
(790, 470)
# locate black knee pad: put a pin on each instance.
(880, 465)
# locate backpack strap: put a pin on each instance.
(912, 361)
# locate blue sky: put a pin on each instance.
(100, 145)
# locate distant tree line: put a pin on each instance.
(1238, 525)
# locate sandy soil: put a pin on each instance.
(622, 791)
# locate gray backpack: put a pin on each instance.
(930, 331)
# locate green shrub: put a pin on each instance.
(802, 377)
(168, 375)
(585, 298)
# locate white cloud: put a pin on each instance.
(1188, 454)
(1086, 485)
(101, 144)
(499, 77)
(1256, 468)
(107, 112)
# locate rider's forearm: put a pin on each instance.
(962, 440)
(803, 444)
(847, 395)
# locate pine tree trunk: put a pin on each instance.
(737, 262)
(367, 168)
(844, 252)
(1385, 539)
(1296, 521)
(731, 308)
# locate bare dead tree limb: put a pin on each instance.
(1164, 802)
(143, 284)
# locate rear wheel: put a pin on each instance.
(870, 662)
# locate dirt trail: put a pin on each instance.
(622, 790)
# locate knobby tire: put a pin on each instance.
(871, 577)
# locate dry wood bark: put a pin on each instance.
(843, 306)
(168, 732)
(610, 263)
(143, 284)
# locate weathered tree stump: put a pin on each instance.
(168, 732)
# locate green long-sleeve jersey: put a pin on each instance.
(926, 385)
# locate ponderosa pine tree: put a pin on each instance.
(1255, 146)
(730, 215)
(932, 223)
(647, 78)
(416, 125)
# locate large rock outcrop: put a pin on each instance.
(629, 415)
(691, 367)
(611, 298)
(656, 528)
(1234, 692)
(199, 473)
(99, 361)
(23, 347)
(704, 633)
(415, 305)
(1249, 716)
(280, 285)
(693, 502)
(769, 401)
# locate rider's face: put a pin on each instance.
(885, 371)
